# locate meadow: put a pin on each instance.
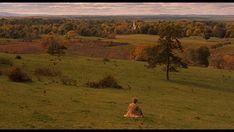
(78, 89)
(194, 98)
(96, 48)
(191, 42)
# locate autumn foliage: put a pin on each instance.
(139, 53)
(222, 61)
(54, 44)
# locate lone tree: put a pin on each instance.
(165, 51)
(54, 44)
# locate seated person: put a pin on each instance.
(134, 110)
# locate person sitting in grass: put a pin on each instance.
(134, 110)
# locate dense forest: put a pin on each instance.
(32, 28)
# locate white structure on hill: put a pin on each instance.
(134, 25)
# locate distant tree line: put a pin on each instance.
(32, 28)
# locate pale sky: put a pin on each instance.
(118, 8)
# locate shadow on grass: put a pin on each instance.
(201, 85)
(41, 117)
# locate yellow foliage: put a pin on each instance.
(70, 35)
(51, 38)
(138, 53)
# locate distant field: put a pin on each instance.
(7, 41)
(137, 39)
(142, 39)
(189, 42)
(18, 46)
(229, 49)
(194, 98)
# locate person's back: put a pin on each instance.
(134, 110)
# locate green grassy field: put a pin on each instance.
(194, 98)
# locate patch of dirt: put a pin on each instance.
(94, 48)
(22, 48)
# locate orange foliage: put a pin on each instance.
(138, 53)
(229, 60)
(223, 61)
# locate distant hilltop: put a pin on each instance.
(8, 14)
(136, 17)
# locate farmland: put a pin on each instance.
(97, 45)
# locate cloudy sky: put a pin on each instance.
(118, 8)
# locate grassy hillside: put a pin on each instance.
(194, 98)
